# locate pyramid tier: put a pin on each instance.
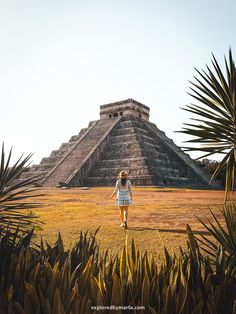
(98, 153)
(133, 147)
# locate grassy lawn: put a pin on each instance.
(157, 216)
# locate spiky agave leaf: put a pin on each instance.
(214, 123)
(224, 233)
(16, 196)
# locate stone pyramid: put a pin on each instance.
(123, 139)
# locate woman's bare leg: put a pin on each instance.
(122, 214)
(125, 216)
(125, 213)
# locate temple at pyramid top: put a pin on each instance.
(123, 108)
(122, 139)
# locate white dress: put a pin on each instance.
(123, 193)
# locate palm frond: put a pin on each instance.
(16, 197)
(213, 127)
(223, 231)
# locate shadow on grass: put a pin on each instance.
(183, 231)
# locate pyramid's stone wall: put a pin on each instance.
(137, 147)
(123, 139)
(124, 108)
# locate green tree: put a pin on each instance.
(214, 117)
(210, 167)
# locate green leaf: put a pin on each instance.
(214, 129)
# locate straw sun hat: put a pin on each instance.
(123, 174)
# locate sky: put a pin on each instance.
(61, 60)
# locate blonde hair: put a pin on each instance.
(123, 174)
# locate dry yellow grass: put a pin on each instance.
(157, 216)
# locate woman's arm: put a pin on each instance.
(130, 190)
(115, 189)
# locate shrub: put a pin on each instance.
(16, 196)
(50, 279)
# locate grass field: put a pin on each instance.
(157, 216)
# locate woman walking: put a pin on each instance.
(123, 196)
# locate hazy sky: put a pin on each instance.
(61, 60)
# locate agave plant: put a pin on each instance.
(224, 234)
(54, 280)
(214, 126)
(16, 196)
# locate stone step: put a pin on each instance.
(74, 138)
(30, 174)
(131, 138)
(134, 144)
(111, 180)
(155, 147)
(126, 144)
(54, 153)
(58, 153)
(113, 171)
(166, 172)
(176, 181)
(123, 138)
(91, 123)
(82, 131)
(130, 123)
(124, 152)
(129, 150)
(153, 154)
(130, 163)
(146, 138)
(122, 162)
(130, 130)
(175, 178)
(49, 160)
(71, 161)
(66, 146)
(162, 172)
(45, 167)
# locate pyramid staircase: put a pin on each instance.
(59, 166)
(149, 157)
(123, 139)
